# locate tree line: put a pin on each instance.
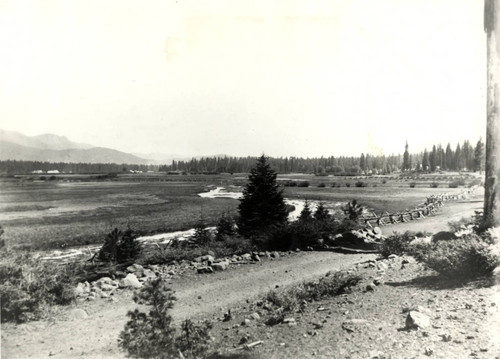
(464, 157)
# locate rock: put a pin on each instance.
(429, 351)
(205, 258)
(416, 320)
(130, 281)
(393, 256)
(211, 253)
(407, 260)
(255, 316)
(148, 273)
(377, 231)
(275, 255)
(245, 322)
(256, 257)
(220, 266)
(381, 266)
(205, 269)
(82, 288)
(107, 287)
(371, 287)
(78, 314)
(246, 256)
(288, 320)
(378, 281)
(135, 268)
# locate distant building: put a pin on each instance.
(37, 171)
(53, 172)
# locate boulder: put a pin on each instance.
(275, 255)
(256, 257)
(354, 241)
(205, 269)
(148, 273)
(246, 256)
(205, 258)
(416, 320)
(130, 281)
(220, 266)
(377, 231)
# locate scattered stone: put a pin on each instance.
(393, 256)
(275, 255)
(416, 320)
(288, 320)
(227, 316)
(246, 257)
(446, 337)
(429, 351)
(378, 281)
(245, 322)
(148, 273)
(382, 266)
(377, 230)
(255, 257)
(220, 266)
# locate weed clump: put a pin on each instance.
(333, 284)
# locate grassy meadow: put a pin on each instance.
(75, 210)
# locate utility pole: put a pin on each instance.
(492, 190)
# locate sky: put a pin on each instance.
(284, 78)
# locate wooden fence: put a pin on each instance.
(428, 208)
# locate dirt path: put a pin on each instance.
(201, 295)
(198, 296)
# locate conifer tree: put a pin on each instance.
(478, 156)
(406, 159)
(262, 206)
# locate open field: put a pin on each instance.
(75, 210)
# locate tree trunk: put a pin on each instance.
(492, 192)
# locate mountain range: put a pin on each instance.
(54, 148)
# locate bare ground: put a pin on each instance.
(207, 296)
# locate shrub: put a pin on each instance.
(434, 185)
(321, 185)
(452, 185)
(353, 210)
(202, 235)
(384, 181)
(152, 334)
(348, 184)
(28, 286)
(412, 184)
(464, 258)
(120, 247)
(225, 227)
(398, 243)
(360, 184)
(303, 184)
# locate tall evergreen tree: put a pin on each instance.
(478, 156)
(262, 206)
(425, 161)
(406, 159)
(433, 159)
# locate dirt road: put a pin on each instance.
(68, 336)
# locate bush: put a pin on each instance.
(152, 334)
(28, 286)
(225, 227)
(303, 184)
(321, 185)
(434, 185)
(120, 247)
(464, 258)
(412, 184)
(384, 181)
(348, 184)
(398, 243)
(202, 235)
(333, 284)
(360, 184)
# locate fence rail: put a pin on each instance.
(428, 208)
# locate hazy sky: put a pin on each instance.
(303, 78)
